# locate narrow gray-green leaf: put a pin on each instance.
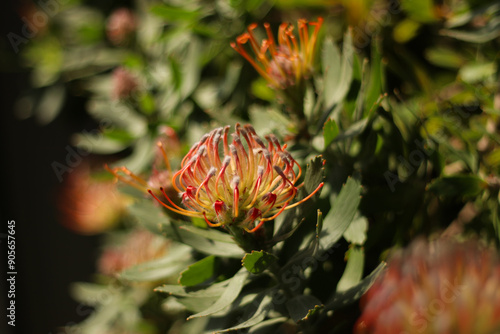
(267, 326)
(214, 290)
(338, 73)
(356, 232)
(330, 131)
(210, 247)
(347, 297)
(354, 269)
(173, 263)
(258, 261)
(257, 317)
(228, 297)
(198, 272)
(314, 175)
(341, 214)
(209, 233)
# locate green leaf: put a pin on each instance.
(405, 30)
(444, 57)
(341, 214)
(191, 68)
(282, 234)
(337, 72)
(319, 224)
(173, 263)
(354, 130)
(50, 104)
(421, 11)
(257, 262)
(376, 80)
(261, 90)
(354, 269)
(119, 135)
(211, 234)
(356, 232)
(97, 143)
(301, 307)
(228, 297)
(90, 293)
(330, 131)
(486, 34)
(175, 14)
(141, 157)
(463, 186)
(314, 175)
(210, 247)
(258, 316)
(215, 290)
(147, 103)
(267, 326)
(197, 304)
(198, 272)
(353, 294)
(476, 72)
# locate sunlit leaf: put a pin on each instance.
(230, 294)
(354, 269)
(198, 272)
(341, 214)
(356, 232)
(260, 313)
(157, 269)
(330, 131)
(337, 71)
(258, 261)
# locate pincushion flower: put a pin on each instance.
(286, 63)
(124, 84)
(237, 182)
(228, 182)
(438, 287)
(137, 247)
(89, 206)
(121, 26)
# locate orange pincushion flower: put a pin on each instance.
(89, 206)
(284, 64)
(435, 287)
(137, 247)
(235, 182)
(244, 182)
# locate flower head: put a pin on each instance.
(438, 287)
(121, 26)
(124, 84)
(289, 61)
(89, 206)
(235, 181)
(137, 247)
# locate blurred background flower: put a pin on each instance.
(89, 205)
(121, 26)
(442, 286)
(137, 246)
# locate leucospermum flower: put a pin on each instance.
(235, 181)
(121, 26)
(137, 247)
(287, 62)
(87, 205)
(438, 287)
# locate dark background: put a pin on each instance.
(48, 256)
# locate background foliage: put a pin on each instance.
(401, 115)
